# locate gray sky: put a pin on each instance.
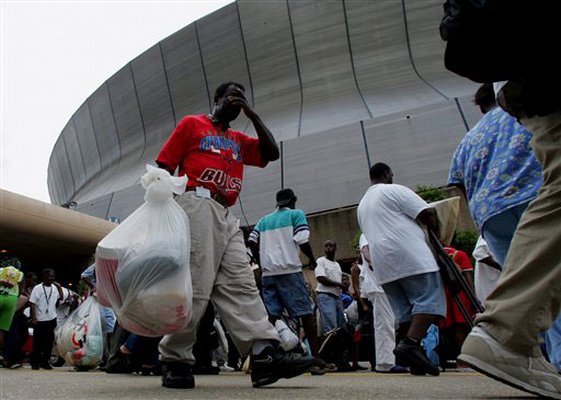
(54, 55)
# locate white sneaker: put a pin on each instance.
(226, 368)
(530, 374)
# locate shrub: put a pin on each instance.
(465, 241)
(430, 193)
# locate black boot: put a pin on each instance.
(177, 375)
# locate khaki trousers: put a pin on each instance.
(220, 272)
(527, 298)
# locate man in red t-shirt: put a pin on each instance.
(455, 326)
(212, 155)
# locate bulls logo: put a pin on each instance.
(221, 180)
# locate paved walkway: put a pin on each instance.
(62, 383)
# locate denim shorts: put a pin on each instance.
(417, 294)
(288, 292)
(331, 311)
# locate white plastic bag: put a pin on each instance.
(142, 266)
(79, 339)
(289, 340)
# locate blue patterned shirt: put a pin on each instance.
(496, 165)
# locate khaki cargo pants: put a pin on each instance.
(527, 298)
(220, 272)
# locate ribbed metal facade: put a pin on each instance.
(340, 83)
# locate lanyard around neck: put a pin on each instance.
(50, 294)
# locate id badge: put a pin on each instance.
(202, 192)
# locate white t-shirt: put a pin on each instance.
(486, 277)
(368, 282)
(332, 271)
(386, 215)
(44, 298)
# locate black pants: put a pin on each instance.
(15, 340)
(43, 338)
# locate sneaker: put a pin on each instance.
(271, 365)
(344, 367)
(316, 370)
(34, 366)
(226, 368)
(330, 367)
(177, 375)
(15, 366)
(414, 356)
(395, 369)
(46, 366)
(530, 374)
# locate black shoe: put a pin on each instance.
(177, 375)
(34, 366)
(205, 370)
(414, 356)
(344, 367)
(271, 365)
(155, 370)
(46, 366)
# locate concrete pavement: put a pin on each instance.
(63, 383)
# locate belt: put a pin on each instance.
(215, 196)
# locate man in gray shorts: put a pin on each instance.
(389, 216)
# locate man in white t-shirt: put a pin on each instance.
(382, 314)
(404, 265)
(330, 285)
(44, 300)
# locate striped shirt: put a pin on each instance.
(279, 234)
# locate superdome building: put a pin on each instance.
(342, 84)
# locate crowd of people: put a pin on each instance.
(392, 299)
(251, 298)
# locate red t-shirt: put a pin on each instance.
(209, 157)
(461, 258)
(453, 313)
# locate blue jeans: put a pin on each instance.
(286, 292)
(553, 343)
(331, 311)
(499, 230)
(416, 294)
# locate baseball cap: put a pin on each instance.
(285, 197)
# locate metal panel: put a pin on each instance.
(330, 94)
(103, 123)
(327, 170)
(125, 201)
(258, 192)
(153, 96)
(381, 57)
(65, 180)
(87, 140)
(98, 207)
(471, 112)
(74, 155)
(223, 53)
(419, 146)
(52, 183)
(427, 48)
(55, 178)
(272, 63)
(127, 113)
(185, 73)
